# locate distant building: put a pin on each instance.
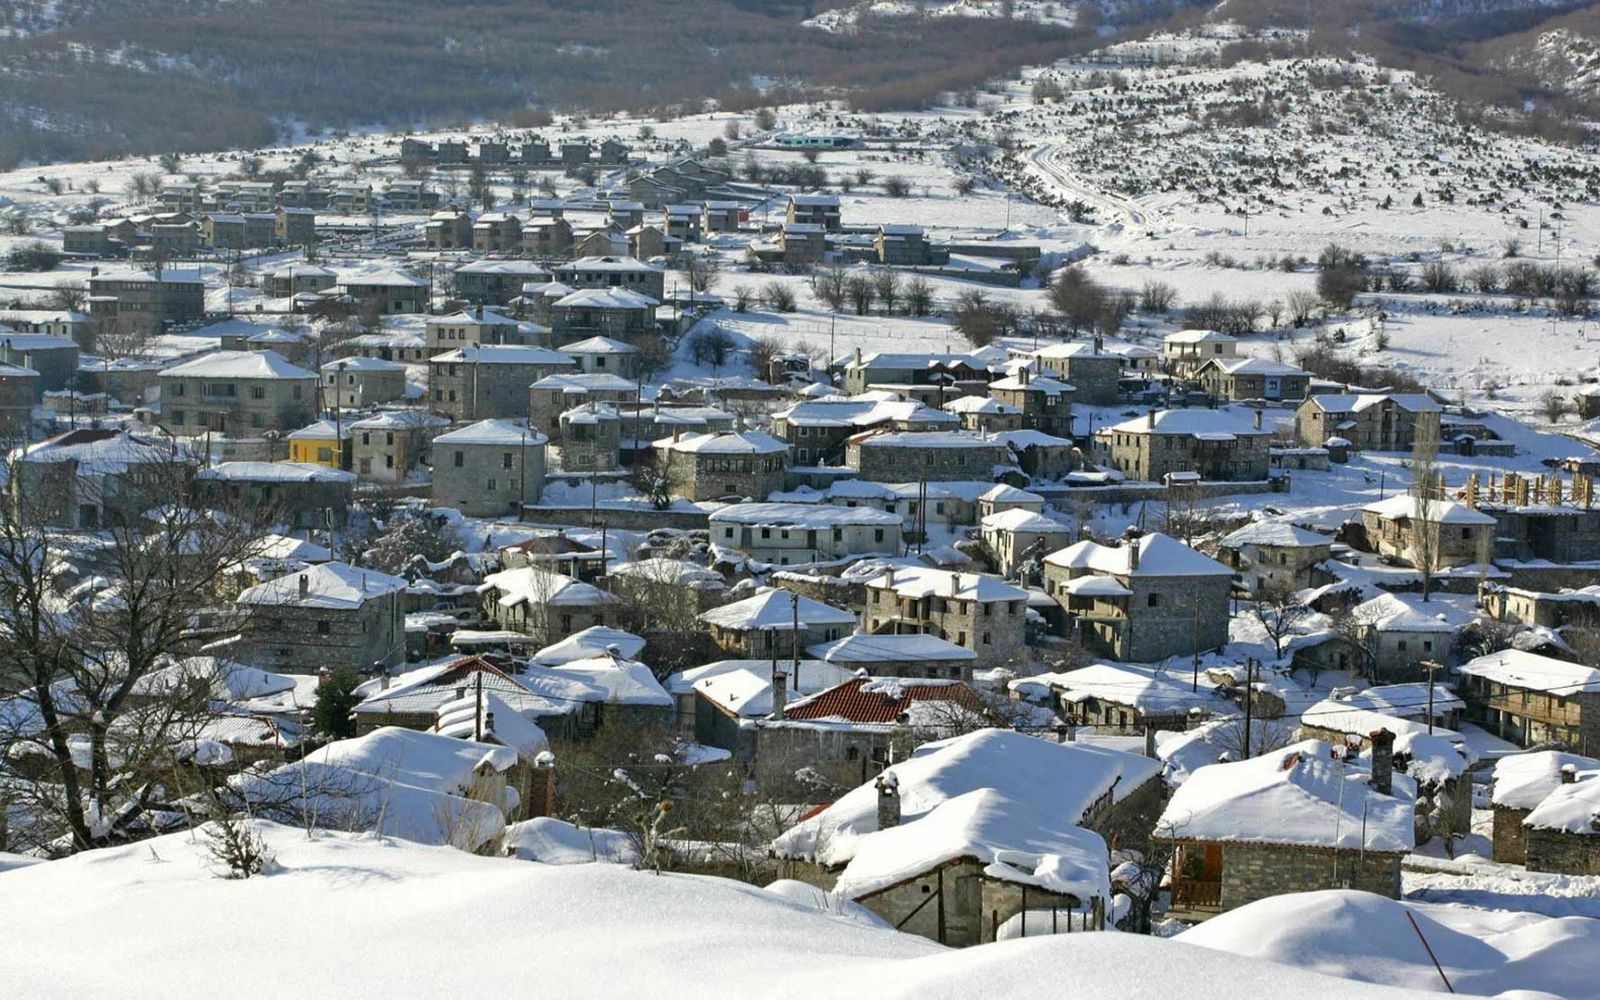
(720, 465)
(237, 394)
(488, 469)
(1369, 421)
(331, 615)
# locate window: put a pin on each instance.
(296, 392)
(388, 461)
(1427, 645)
(491, 486)
(366, 437)
(258, 392)
(1152, 600)
(255, 420)
(986, 638)
(323, 628)
(961, 638)
(460, 459)
(366, 466)
(177, 388)
(1400, 645)
(177, 415)
(877, 534)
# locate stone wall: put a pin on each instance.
(303, 640)
(615, 516)
(1256, 871)
(907, 464)
(484, 484)
(1562, 852)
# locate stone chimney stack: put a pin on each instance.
(1130, 540)
(1150, 420)
(305, 586)
(780, 694)
(1382, 761)
(888, 801)
(1256, 419)
(1569, 774)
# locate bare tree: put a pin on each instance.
(1277, 610)
(886, 285)
(702, 272)
(1427, 505)
(829, 284)
(860, 291)
(918, 296)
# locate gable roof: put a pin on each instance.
(330, 585)
(775, 609)
(1159, 555)
(239, 364)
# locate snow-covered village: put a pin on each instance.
(1124, 527)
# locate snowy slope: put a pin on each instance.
(365, 918)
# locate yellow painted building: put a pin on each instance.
(321, 444)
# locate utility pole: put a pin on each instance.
(1194, 682)
(794, 640)
(477, 716)
(1431, 667)
(1249, 691)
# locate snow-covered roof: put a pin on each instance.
(1060, 781)
(276, 472)
(1255, 366)
(1014, 841)
(239, 364)
(537, 586)
(493, 431)
(1159, 555)
(865, 410)
(1355, 720)
(606, 298)
(551, 841)
(504, 354)
(579, 382)
(1006, 493)
(744, 687)
(1281, 534)
(1198, 337)
(599, 345)
(1520, 669)
(1211, 425)
(928, 581)
(97, 450)
(606, 263)
(1299, 795)
(1356, 402)
(1141, 688)
(726, 443)
(360, 364)
(1573, 808)
(332, 585)
(1523, 780)
(678, 572)
(400, 420)
(1017, 519)
(926, 439)
(1403, 505)
(626, 682)
(465, 317)
(775, 609)
(466, 718)
(591, 642)
(1408, 701)
(858, 648)
(1390, 612)
(1034, 383)
(803, 516)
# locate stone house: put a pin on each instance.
(814, 210)
(682, 221)
(1521, 783)
(611, 271)
(1402, 634)
(1092, 371)
(1252, 379)
(130, 295)
(722, 216)
(604, 356)
(802, 243)
(766, 625)
(390, 292)
(816, 430)
(979, 612)
(591, 438)
(299, 278)
(360, 383)
(546, 605)
(241, 231)
(1017, 537)
(1369, 421)
(449, 229)
(897, 457)
(900, 244)
(1457, 534)
(1049, 808)
(1574, 612)
(547, 236)
(497, 232)
(1563, 832)
(352, 199)
(474, 328)
(52, 359)
(984, 414)
(85, 241)
(604, 312)
(475, 383)
(599, 243)
(1115, 698)
(553, 395)
(646, 242)
(910, 656)
(1186, 351)
(331, 615)
(725, 464)
(87, 477)
(1220, 445)
(1145, 600)
(1001, 497)
(1269, 556)
(791, 534)
(394, 446)
(1533, 700)
(1227, 825)
(1039, 455)
(237, 394)
(496, 282)
(295, 227)
(302, 194)
(299, 495)
(488, 469)
(1046, 403)
(19, 390)
(625, 214)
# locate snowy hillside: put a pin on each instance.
(371, 918)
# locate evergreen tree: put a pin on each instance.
(330, 716)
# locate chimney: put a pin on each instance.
(1131, 540)
(488, 722)
(1256, 419)
(1569, 774)
(888, 800)
(1150, 420)
(1382, 761)
(305, 586)
(780, 694)
(858, 355)
(324, 675)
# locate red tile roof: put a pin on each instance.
(878, 699)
